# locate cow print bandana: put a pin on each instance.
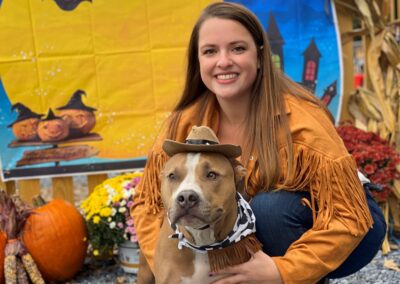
(245, 225)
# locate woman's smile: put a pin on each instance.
(227, 78)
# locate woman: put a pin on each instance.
(311, 209)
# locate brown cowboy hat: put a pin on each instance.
(201, 139)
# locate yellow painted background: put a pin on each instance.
(128, 55)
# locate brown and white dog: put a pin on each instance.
(199, 186)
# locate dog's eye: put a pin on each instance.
(171, 176)
(212, 175)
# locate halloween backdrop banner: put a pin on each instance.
(86, 84)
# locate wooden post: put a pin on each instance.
(345, 22)
(94, 180)
(63, 188)
(27, 189)
(3, 186)
(8, 186)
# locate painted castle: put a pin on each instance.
(311, 61)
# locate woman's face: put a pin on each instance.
(228, 58)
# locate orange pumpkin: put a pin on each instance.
(55, 235)
(26, 130)
(80, 121)
(2, 247)
(53, 130)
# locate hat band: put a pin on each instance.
(200, 142)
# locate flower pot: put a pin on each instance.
(128, 255)
(104, 258)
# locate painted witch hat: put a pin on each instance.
(23, 113)
(201, 139)
(75, 102)
(50, 115)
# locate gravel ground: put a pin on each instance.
(373, 273)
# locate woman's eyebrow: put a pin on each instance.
(230, 43)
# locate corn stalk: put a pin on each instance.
(375, 107)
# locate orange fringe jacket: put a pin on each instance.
(321, 166)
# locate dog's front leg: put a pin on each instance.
(145, 275)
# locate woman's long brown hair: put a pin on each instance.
(267, 126)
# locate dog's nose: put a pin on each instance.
(187, 199)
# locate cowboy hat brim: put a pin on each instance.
(171, 148)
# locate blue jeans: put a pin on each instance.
(281, 219)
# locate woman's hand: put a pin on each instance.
(259, 269)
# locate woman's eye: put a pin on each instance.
(212, 175)
(209, 51)
(239, 49)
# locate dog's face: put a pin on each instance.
(198, 189)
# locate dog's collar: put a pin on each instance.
(245, 225)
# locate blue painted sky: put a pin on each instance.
(298, 22)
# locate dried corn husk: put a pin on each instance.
(376, 75)
(360, 121)
(12, 220)
(366, 13)
(391, 49)
(369, 105)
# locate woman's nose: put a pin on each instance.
(224, 60)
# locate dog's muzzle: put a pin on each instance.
(187, 199)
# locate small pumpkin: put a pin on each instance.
(80, 122)
(56, 237)
(26, 130)
(80, 117)
(2, 247)
(52, 128)
(26, 125)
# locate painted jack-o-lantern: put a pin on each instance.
(26, 130)
(25, 126)
(80, 122)
(80, 117)
(52, 128)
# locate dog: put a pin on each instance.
(207, 225)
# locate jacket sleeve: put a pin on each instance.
(340, 212)
(147, 211)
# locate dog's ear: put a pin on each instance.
(240, 175)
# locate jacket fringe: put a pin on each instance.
(234, 254)
(150, 184)
(331, 183)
